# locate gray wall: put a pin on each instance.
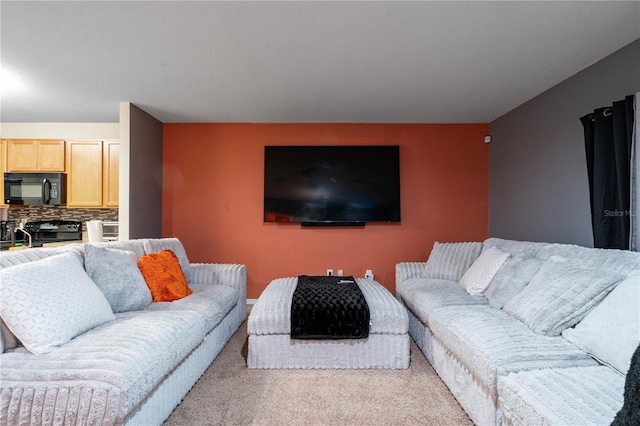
(538, 189)
(145, 175)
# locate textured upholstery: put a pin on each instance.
(567, 396)
(514, 275)
(559, 295)
(500, 370)
(423, 296)
(132, 370)
(271, 346)
(48, 302)
(117, 275)
(449, 261)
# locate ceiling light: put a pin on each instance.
(11, 82)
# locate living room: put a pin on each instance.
(202, 180)
(454, 186)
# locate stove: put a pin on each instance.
(49, 231)
(5, 234)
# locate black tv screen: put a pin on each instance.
(332, 185)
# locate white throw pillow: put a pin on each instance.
(117, 275)
(47, 302)
(560, 295)
(449, 261)
(482, 271)
(611, 331)
(514, 275)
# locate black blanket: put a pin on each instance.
(328, 308)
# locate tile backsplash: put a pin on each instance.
(61, 213)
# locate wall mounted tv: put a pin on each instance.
(332, 185)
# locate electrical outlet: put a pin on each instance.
(368, 274)
(340, 272)
(330, 272)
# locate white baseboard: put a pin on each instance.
(251, 301)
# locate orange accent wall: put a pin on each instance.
(213, 194)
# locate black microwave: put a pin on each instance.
(35, 189)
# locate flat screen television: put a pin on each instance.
(332, 185)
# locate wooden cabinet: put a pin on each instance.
(92, 173)
(111, 173)
(3, 167)
(31, 155)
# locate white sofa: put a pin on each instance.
(130, 361)
(526, 333)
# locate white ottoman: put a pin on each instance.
(270, 344)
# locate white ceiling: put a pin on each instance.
(358, 62)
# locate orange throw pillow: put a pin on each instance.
(164, 276)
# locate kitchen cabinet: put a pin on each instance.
(3, 168)
(111, 173)
(84, 173)
(31, 155)
(92, 174)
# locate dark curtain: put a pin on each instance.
(608, 135)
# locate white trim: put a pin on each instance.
(66, 131)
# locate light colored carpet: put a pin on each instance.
(230, 394)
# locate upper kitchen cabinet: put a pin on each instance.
(92, 174)
(84, 173)
(3, 167)
(110, 170)
(30, 155)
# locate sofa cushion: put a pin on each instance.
(175, 245)
(164, 276)
(617, 261)
(567, 396)
(489, 343)
(514, 247)
(449, 261)
(482, 270)
(102, 374)
(213, 302)
(117, 275)
(611, 331)
(424, 295)
(47, 302)
(136, 246)
(559, 295)
(514, 275)
(12, 258)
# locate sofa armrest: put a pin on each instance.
(232, 275)
(408, 270)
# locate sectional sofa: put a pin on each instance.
(83, 343)
(524, 332)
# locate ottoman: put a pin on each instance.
(271, 347)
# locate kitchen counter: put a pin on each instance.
(62, 243)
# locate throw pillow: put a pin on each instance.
(482, 271)
(559, 295)
(7, 339)
(514, 275)
(164, 276)
(117, 275)
(449, 261)
(611, 331)
(175, 245)
(47, 302)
